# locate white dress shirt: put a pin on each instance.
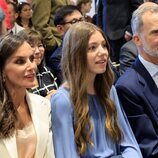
(151, 68)
(16, 29)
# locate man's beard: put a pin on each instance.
(150, 51)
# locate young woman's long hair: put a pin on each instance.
(8, 46)
(75, 72)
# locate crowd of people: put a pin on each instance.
(76, 86)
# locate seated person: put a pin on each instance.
(88, 120)
(25, 122)
(45, 82)
(64, 18)
(138, 86)
(128, 54)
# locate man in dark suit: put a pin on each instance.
(155, 1)
(114, 18)
(138, 86)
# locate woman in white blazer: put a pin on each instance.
(25, 123)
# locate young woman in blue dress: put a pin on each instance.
(88, 120)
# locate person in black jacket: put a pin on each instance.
(64, 18)
(114, 18)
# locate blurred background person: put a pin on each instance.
(3, 6)
(46, 83)
(128, 54)
(114, 17)
(13, 1)
(13, 13)
(64, 18)
(43, 21)
(24, 18)
(3, 29)
(85, 7)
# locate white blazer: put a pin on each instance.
(41, 117)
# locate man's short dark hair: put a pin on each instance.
(64, 11)
(15, 7)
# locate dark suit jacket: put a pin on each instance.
(139, 96)
(155, 1)
(114, 16)
(128, 54)
(54, 64)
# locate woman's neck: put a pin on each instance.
(90, 88)
(83, 12)
(18, 96)
(25, 23)
(90, 84)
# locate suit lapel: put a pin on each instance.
(150, 89)
(11, 146)
(38, 125)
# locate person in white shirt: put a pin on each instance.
(13, 12)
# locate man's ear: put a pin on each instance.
(137, 40)
(16, 15)
(60, 29)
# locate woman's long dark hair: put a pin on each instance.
(8, 46)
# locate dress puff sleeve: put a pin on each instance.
(128, 147)
(62, 119)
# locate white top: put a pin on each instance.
(151, 68)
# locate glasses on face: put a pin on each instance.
(73, 21)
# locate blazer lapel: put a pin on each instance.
(150, 89)
(11, 147)
(38, 125)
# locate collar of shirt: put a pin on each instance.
(151, 68)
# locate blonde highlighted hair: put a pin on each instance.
(75, 72)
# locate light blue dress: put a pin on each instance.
(104, 147)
